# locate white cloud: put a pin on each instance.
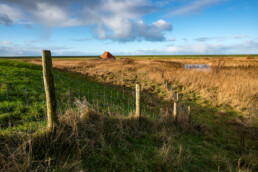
(14, 50)
(114, 19)
(9, 15)
(137, 30)
(172, 39)
(6, 42)
(162, 25)
(119, 20)
(53, 15)
(193, 49)
(33, 41)
(101, 33)
(246, 47)
(82, 39)
(194, 7)
(221, 38)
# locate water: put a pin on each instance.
(197, 67)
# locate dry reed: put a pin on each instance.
(231, 81)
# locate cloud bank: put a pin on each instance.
(118, 20)
(245, 47)
(221, 38)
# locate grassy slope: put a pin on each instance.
(25, 100)
(118, 142)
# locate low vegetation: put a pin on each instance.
(91, 141)
(230, 82)
(101, 134)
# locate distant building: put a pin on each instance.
(107, 55)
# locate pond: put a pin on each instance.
(197, 66)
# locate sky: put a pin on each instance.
(128, 27)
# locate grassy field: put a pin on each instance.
(110, 138)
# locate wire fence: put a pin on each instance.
(23, 103)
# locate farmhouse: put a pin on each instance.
(107, 55)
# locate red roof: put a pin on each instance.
(107, 55)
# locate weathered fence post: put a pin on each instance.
(166, 84)
(49, 89)
(138, 100)
(175, 112)
(189, 116)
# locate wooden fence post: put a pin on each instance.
(49, 89)
(138, 100)
(177, 97)
(175, 112)
(189, 116)
(166, 84)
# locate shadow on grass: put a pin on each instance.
(92, 141)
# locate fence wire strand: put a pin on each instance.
(104, 98)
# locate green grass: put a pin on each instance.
(22, 97)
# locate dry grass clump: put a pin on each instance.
(69, 146)
(249, 57)
(79, 135)
(168, 64)
(84, 134)
(216, 66)
(128, 61)
(87, 140)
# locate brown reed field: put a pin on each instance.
(230, 82)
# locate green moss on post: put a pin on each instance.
(49, 89)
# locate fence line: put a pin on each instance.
(117, 104)
(105, 98)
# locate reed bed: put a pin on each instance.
(231, 81)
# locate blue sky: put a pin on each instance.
(128, 27)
